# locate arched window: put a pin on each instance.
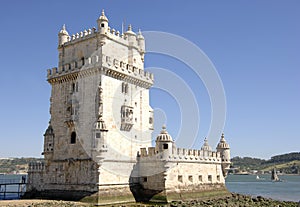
(73, 137)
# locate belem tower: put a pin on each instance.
(98, 143)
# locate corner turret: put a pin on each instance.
(102, 22)
(141, 43)
(131, 36)
(164, 142)
(48, 142)
(63, 36)
(224, 150)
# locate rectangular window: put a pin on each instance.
(145, 179)
(200, 178)
(125, 88)
(165, 146)
(209, 178)
(180, 178)
(218, 177)
(98, 135)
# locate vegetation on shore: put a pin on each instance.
(286, 163)
(16, 165)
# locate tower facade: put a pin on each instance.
(100, 113)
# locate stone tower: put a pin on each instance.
(98, 142)
(100, 113)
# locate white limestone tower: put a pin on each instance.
(100, 113)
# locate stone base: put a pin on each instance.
(106, 195)
(123, 194)
(197, 195)
(68, 195)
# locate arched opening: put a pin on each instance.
(73, 137)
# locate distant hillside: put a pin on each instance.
(286, 163)
(16, 165)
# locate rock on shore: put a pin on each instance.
(235, 200)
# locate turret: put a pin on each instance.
(206, 148)
(63, 36)
(224, 150)
(164, 142)
(48, 142)
(141, 42)
(102, 22)
(131, 36)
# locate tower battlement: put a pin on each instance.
(108, 65)
(181, 154)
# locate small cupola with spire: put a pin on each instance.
(102, 22)
(164, 141)
(130, 35)
(63, 36)
(141, 42)
(224, 149)
(48, 142)
(206, 148)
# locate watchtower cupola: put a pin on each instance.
(164, 141)
(63, 36)
(206, 146)
(224, 150)
(102, 22)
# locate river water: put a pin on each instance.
(287, 190)
(4, 190)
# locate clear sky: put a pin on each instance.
(254, 45)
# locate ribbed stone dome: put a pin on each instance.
(140, 36)
(206, 146)
(103, 17)
(49, 130)
(223, 144)
(164, 136)
(63, 31)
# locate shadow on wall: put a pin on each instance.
(139, 192)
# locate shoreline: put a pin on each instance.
(229, 201)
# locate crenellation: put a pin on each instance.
(36, 166)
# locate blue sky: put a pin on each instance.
(254, 45)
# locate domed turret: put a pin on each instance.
(206, 146)
(102, 22)
(48, 142)
(164, 141)
(141, 42)
(63, 35)
(131, 36)
(224, 150)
